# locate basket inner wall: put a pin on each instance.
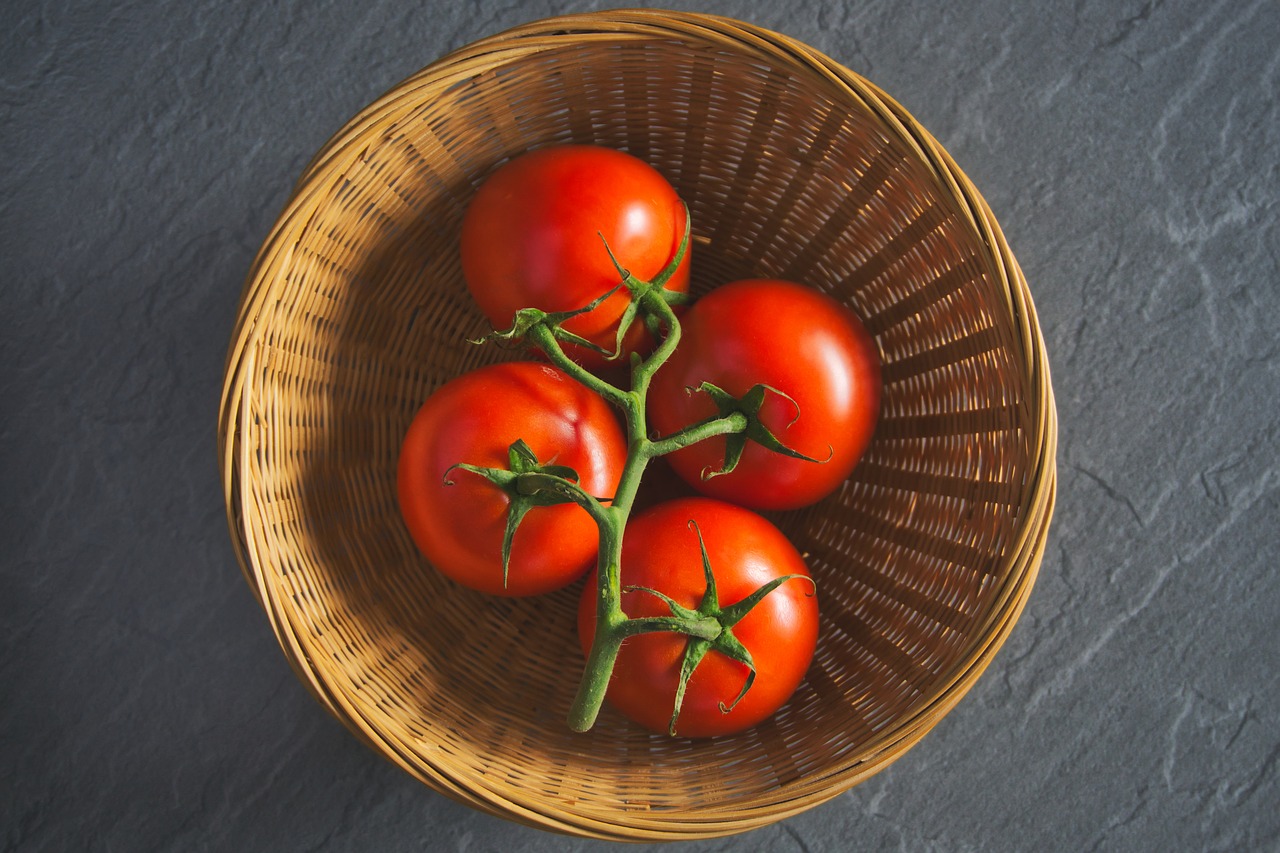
(785, 176)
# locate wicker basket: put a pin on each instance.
(792, 166)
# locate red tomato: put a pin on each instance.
(660, 551)
(795, 340)
(474, 419)
(531, 238)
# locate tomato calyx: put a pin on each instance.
(747, 408)
(644, 293)
(528, 322)
(721, 638)
(527, 483)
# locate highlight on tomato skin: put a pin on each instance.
(474, 419)
(661, 551)
(823, 371)
(534, 236)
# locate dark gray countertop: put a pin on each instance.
(1129, 150)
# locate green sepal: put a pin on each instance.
(694, 651)
(749, 405)
(523, 460)
(731, 647)
(625, 322)
(528, 319)
(677, 297)
(733, 614)
(664, 275)
(677, 609)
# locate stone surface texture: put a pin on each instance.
(1130, 150)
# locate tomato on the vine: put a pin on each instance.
(534, 236)
(474, 419)
(822, 370)
(661, 553)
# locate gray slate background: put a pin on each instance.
(1129, 149)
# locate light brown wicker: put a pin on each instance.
(793, 166)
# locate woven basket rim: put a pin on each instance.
(1018, 570)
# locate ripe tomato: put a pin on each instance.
(660, 551)
(474, 419)
(795, 340)
(531, 238)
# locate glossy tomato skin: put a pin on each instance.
(474, 419)
(791, 338)
(660, 551)
(531, 238)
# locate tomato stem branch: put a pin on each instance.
(545, 339)
(706, 627)
(725, 425)
(613, 626)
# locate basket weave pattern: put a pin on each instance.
(792, 167)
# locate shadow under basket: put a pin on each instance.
(793, 167)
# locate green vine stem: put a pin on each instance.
(612, 624)
(530, 483)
